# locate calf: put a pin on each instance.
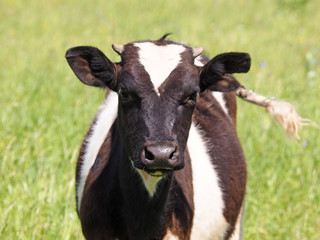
(162, 159)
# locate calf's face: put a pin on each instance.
(157, 85)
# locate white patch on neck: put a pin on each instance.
(219, 97)
(208, 221)
(159, 61)
(105, 118)
(150, 182)
(170, 236)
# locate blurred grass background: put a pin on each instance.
(45, 110)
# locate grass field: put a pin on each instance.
(45, 110)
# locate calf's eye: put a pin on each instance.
(191, 99)
(124, 95)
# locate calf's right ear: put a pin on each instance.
(92, 67)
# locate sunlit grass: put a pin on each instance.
(45, 110)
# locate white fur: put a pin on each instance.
(208, 222)
(170, 236)
(105, 118)
(197, 61)
(237, 234)
(159, 61)
(219, 97)
(150, 182)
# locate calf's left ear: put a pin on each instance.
(215, 75)
(92, 67)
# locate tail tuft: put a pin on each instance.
(283, 112)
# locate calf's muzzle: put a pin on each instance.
(161, 156)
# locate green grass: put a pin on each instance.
(45, 110)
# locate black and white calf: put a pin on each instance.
(162, 159)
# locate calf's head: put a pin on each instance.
(157, 84)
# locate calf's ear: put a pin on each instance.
(92, 67)
(216, 74)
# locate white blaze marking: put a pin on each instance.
(208, 221)
(106, 116)
(159, 61)
(197, 61)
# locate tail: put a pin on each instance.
(283, 112)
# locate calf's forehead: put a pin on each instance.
(158, 60)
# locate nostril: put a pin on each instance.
(148, 155)
(173, 155)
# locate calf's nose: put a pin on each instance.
(161, 155)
